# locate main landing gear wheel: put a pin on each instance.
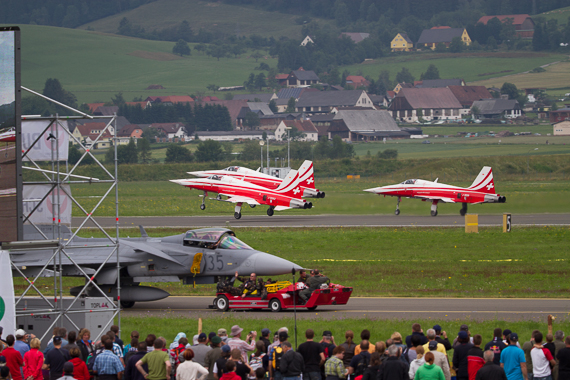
(202, 207)
(275, 305)
(463, 210)
(434, 213)
(270, 211)
(397, 212)
(127, 305)
(222, 303)
(237, 215)
(312, 308)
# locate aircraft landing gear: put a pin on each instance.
(237, 213)
(203, 205)
(270, 210)
(434, 208)
(397, 212)
(252, 206)
(463, 210)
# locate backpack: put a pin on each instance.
(277, 355)
(256, 362)
(91, 360)
(327, 350)
(362, 365)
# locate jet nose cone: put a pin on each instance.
(375, 190)
(178, 181)
(196, 174)
(269, 265)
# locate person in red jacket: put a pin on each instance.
(230, 373)
(33, 361)
(80, 371)
(14, 360)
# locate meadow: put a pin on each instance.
(95, 66)
(406, 262)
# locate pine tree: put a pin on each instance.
(145, 154)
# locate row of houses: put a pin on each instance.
(431, 38)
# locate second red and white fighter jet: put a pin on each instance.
(286, 196)
(481, 191)
(306, 175)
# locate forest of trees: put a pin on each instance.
(196, 118)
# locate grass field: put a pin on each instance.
(215, 17)
(468, 66)
(556, 79)
(408, 262)
(380, 329)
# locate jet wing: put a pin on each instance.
(241, 199)
(281, 208)
(137, 246)
(442, 199)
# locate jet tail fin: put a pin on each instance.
(143, 232)
(484, 181)
(290, 185)
(306, 175)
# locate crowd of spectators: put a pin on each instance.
(240, 356)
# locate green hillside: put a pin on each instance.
(472, 66)
(95, 66)
(561, 15)
(213, 16)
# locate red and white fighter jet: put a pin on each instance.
(286, 196)
(481, 191)
(8, 135)
(306, 175)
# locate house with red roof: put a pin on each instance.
(524, 25)
(357, 81)
(469, 94)
(170, 100)
(304, 126)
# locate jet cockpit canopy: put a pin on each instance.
(409, 182)
(231, 169)
(214, 238)
(215, 177)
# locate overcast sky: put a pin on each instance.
(7, 85)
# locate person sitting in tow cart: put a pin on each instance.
(316, 281)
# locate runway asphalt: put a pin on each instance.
(379, 308)
(326, 221)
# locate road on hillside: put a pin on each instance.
(379, 307)
(326, 221)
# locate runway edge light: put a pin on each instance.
(507, 223)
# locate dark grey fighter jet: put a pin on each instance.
(200, 256)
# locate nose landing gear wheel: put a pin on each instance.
(397, 212)
(463, 210)
(237, 215)
(434, 213)
(270, 211)
(202, 207)
(127, 305)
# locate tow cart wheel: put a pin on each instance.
(275, 305)
(202, 207)
(397, 212)
(312, 308)
(222, 303)
(127, 305)
(237, 215)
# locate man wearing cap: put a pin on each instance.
(513, 360)
(21, 344)
(276, 353)
(441, 337)
(220, 364)
(14, 360)
(490, 371)
(212, 356)
(265, 338)
(107, 365)
(201, 349)
(67, 371)
(223, 334)
(466, 329)
(328, 344)
(506, 333)
(55, 359)
(460, 355)
(242, 345)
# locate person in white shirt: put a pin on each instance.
(190, 370)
